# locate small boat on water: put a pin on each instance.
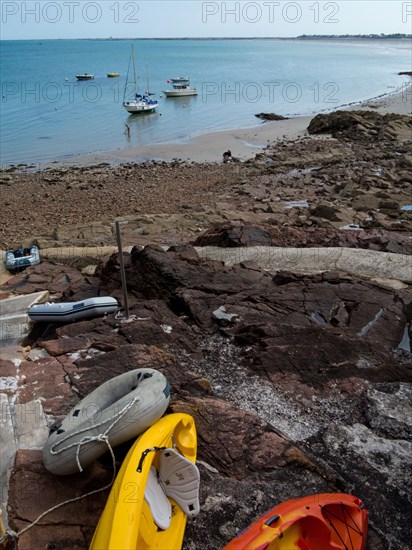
(113, 75)
(181, 87)
(85, 76)
(63, 312)
(139, 103)
(155, 491)
(121, 409)
(20, 258)
(335, 521)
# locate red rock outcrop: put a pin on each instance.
(293, 391)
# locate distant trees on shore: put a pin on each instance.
(395, 36)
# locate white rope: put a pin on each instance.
(104, 437)
(75, 499)
(120, 317)
(89, 439)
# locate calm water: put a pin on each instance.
(46, 114)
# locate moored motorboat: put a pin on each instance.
(113, 75)
(120, 409)
(21, 258)
(160, 471)
(85, 76)
(181, 87)
(335, 521)
(63, 312)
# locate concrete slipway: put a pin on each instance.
(14, 433)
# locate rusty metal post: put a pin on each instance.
(122, 270)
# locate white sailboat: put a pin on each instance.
(140, 103)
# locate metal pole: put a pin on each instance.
(122, 270)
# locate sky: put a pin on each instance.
(42, 19)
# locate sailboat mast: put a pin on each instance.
(147, 79)
(134, 70)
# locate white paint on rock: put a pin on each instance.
(397, 406)
(366, 264)
(391, 457)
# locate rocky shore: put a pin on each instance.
(299, 379)
(351, 172)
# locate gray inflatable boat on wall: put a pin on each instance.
(63, 312)
(118, 410)
(19, 259)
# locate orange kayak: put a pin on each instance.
(334, 521)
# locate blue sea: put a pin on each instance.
(47, 115)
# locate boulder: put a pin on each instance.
(358, 125)
(326, 211)
(229, 235)
(365, 203)
(271, 116)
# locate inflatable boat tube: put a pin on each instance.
(118, 410)
(56, 312)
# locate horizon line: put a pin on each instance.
(398, 36)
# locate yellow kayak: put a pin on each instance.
(155, 491)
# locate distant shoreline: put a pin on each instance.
(345, 37)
